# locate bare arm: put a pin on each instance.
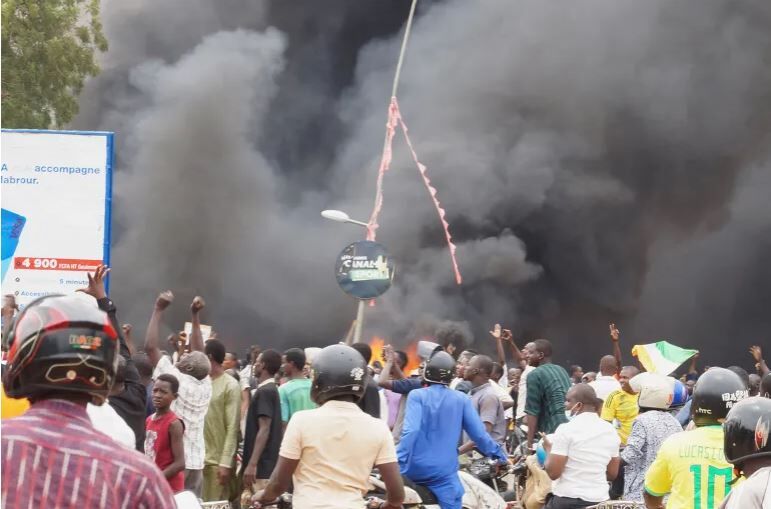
(152, 349)
(555, 465)
(9, 310)
(196, 339)
(516, 355)
(250, 474)
(127, 328)
(176, 430)
(385, 380)
(468, 446)
(279, 480)
(615, 336)
(653, 502)
(612, 471)
(692, 366)
(497, 334)
(389, 473)
(532, 425)
(760, 363)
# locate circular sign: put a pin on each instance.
(364, 270)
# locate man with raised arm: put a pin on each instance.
(610, 366)
(192, 371)
(128, 400)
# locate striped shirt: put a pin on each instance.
(53, 458)
(191, 406)
(547, 386)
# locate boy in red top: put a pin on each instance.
(163, 441)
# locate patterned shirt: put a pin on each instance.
(54, 458)
(547, 386)
(191, 406)
(648, 433)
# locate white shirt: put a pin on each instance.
(191, 406)
(604, 385)
(106, 419)
(522, 392)
(589, 444)
(754, 493)
(244, 377)
(503, 396)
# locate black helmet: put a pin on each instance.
(61, 344)
(337, 370)
(747, 429)
(440, 368)
(715, 393)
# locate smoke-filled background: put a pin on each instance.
(599, 161)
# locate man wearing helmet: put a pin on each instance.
(748, 447)
(328, 452)
(690, 465)
(650, 428)
(63, 353)
(433, 421)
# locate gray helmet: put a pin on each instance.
(440, 368)
(337, 370)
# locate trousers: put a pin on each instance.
(555, 502)
(447, 490)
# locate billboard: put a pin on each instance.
(55, 193)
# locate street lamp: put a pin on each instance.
(342, 217)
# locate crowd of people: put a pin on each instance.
(91, 418)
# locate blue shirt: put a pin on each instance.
(684, 415)
(433, 421)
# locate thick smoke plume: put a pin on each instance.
(603, 161)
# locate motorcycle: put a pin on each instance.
(477, 495)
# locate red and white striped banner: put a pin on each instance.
(394, 119)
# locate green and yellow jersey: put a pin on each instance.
(691, 468)
(621, 406)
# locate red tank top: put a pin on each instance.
(158, 446)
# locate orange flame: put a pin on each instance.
(377, 344)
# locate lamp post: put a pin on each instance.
(341, 217)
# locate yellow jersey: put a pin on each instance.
(621, 406)
(10, 407)
(691, 467)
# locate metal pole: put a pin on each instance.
(359, 322)
(394, 88)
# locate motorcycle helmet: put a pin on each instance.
(680, 395)
(440, 368)
(656, 392)
(337, 370)
(747, 429)
(61, 344)
(426, 349)
(715, 394)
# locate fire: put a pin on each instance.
(377, 344)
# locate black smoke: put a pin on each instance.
(602, 161)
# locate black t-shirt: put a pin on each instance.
(370, 402)
(265, 403)
(131, 404)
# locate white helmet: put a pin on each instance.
(656, 391)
